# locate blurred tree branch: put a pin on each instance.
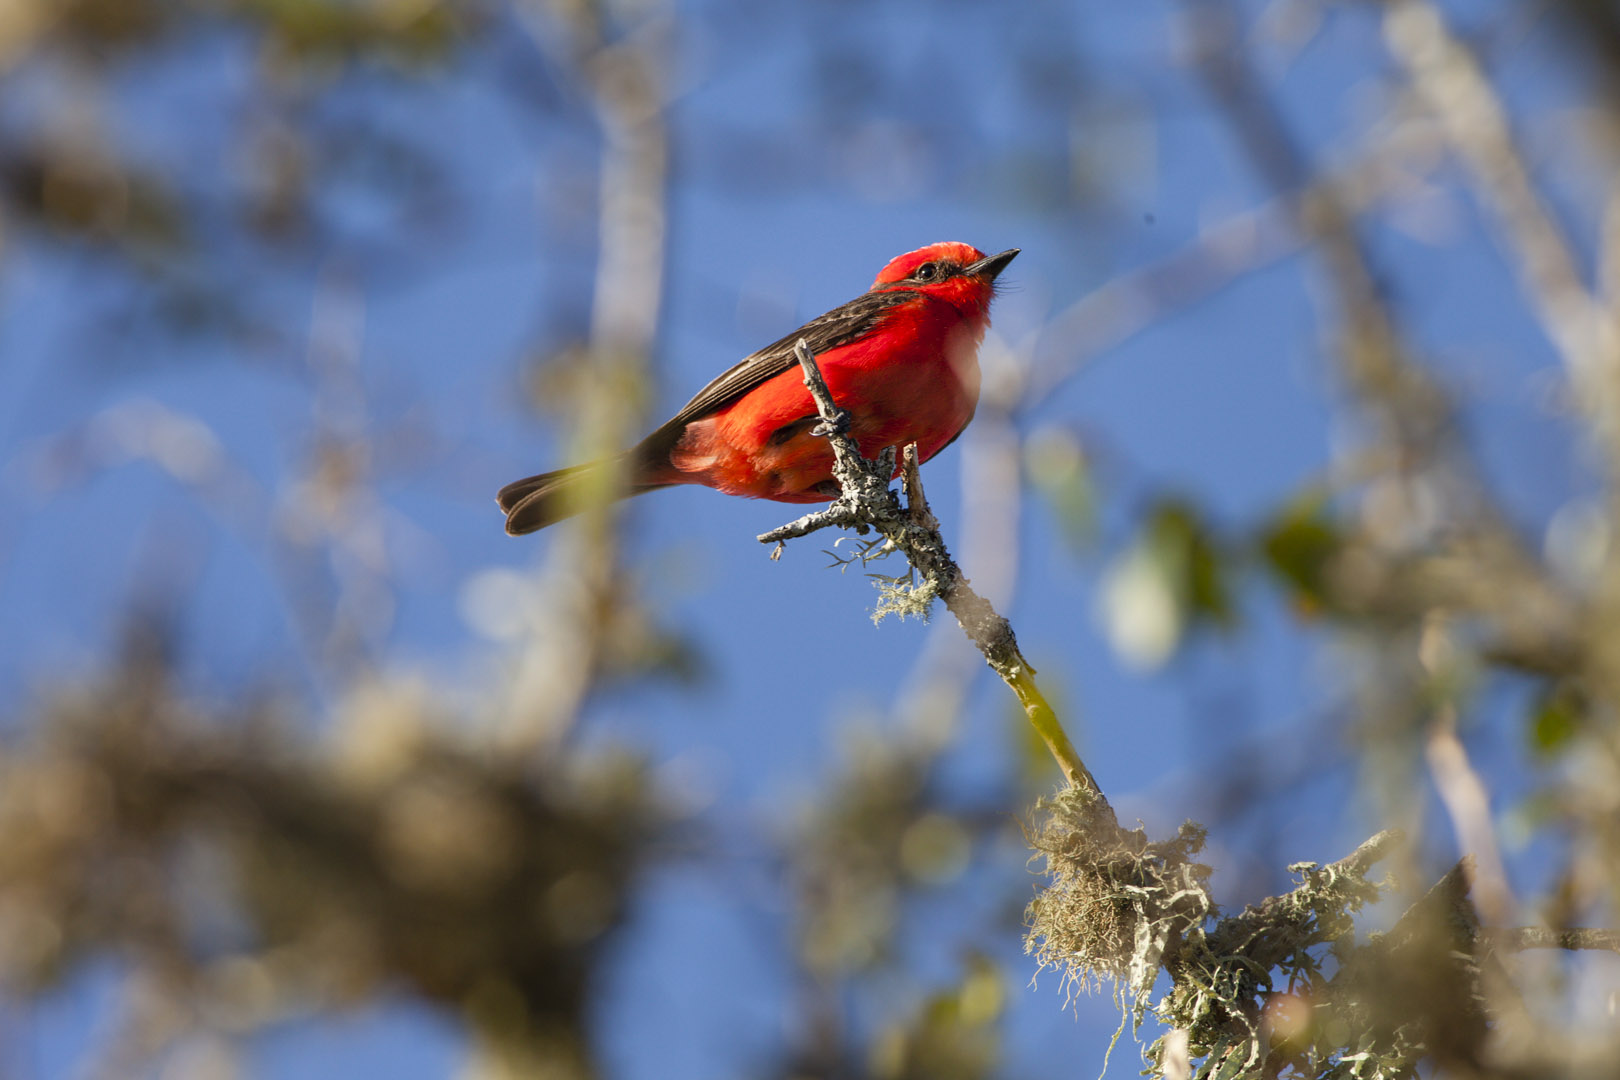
(1448, 81)
(1545, 937)
(621, 70)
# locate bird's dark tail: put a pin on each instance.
(537, 501)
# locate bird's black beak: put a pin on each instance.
(991, 265)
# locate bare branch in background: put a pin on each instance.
(1450, 84)
(1224, 253)
(1461, 790)
(585, 585)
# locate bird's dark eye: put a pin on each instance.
(926, 272)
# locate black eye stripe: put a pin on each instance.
(935, 271)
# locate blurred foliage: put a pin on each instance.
(1299, 545)
(1059, 469)
(402, 856)
(311, 30)
(1557, 718)
(953, 1036)
(1170, 580)
(852, 853)
(78, 168)
(882, 834)
(102, 201)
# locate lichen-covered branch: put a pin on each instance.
(1240, 932)
(866, 503)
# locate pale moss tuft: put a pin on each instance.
(1113, 901)
(903, 596)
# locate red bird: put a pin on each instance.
(901, 359)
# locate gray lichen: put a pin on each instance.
(1114, 900)
(1282, 985)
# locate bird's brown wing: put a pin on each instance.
(843, 324)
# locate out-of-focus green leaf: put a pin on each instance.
(1059, 469)
(1170, 579)
(1142, 612)
(1557, 718)
(935, 848)
(953, 1036)
(405, 29)
(1178, 527)
(416, 30)
(1298, 546)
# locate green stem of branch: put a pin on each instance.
(1049, 728)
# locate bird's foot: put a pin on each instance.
(837, 425)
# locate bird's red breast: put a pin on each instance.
(912, 377)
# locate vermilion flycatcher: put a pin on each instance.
(902, 359)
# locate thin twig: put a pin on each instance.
(866, 501)
(1452, 898)
(1458, 783)
(1519, 938)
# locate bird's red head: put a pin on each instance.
(959, 273)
